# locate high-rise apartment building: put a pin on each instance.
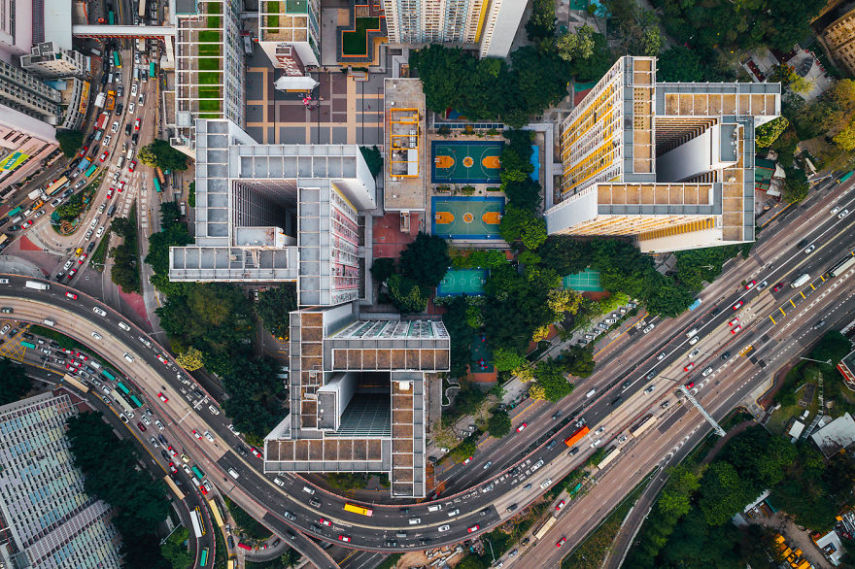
(48, 519)
(289, 33)
(671, 164)
(24, 143)
(26, 93)
(49, 61)
(839, 36)
(209, 69)
(488, 24)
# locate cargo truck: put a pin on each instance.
(37, 285)
(803, 279)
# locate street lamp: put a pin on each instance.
(826, 362)
(490, 543)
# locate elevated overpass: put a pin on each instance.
(102, 31)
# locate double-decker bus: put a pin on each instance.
(645, 424)
(157, 187)
(117, 61)
(136, 402)
(159, 173)
(358, 510)
(151, 70)
(215, 511)
(111, 18)
(172, 486)
(843, 265)
(3, 238)
(117, 397)
(53, 188)
(108, 375)
(141, 11)
(610, 456)
(198, 472)
(203, 559)
(123, 388)
(545, 528)
(91, 171)
(198, 525)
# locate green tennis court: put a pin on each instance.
(467, 217)
(462, 281)
(586, 281)
(460, 162)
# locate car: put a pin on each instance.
(70, 295)
(762, 285)
(487, 465)
(85, 149)
(648, 328)
(27, 224)
(172, 452)
(660, 357)
(121, 185)
(5, 329)
(690, 384)
(69, 367)
(522, 427)
(71, 273)
(197, 434)
(473, 529)
(203, 490)
(750, 284)
(56, 202)
(707, 371)
(725, 356)
(88, 234)
(115, 128)
(96, 335)
(834, 210)
(468, 460)
(689, 366)
(106, 140)
(736, 330)
(141, 427)
(561, 541)
(345, 538)
(694, 352)
(810, 249)
(209, 436)
(82, 258)
(843, 214)
(141, 99)
(110, 193)
(131, 107)
(159, 425)
(594, 444)
(325, 522)
(137, 123)
(172, 468)
(650, 389)
(444, 528)
(256, 452)
(163, 397)
(733, 322)
(132, 166)
(162, 359)
(777, 287)
(622, 439)
(560, 505)
(694, 340)
(738, 305)
(99, 233)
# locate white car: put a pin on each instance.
(134, 90)
(96, 335)
(68, 264)
(159, 425)
(115, 128)
(131, 107)
(648, 328)
(843, 213)
(100, 231)
(106, 140)
(209, 436)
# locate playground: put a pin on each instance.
(481, 355)
(462, 281)
(465, 162)
(467, 217)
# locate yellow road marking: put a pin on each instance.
(772, 319)
(803, 295)
(781, 308)
(793, 303)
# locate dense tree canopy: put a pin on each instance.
(14, 383)
(407, 294)
(125, 271)
(549, 374)
(499, 424)
(274, 306)
(70, 141)
(382, 268)
(425, 260)
(159, 153)
(769, 132)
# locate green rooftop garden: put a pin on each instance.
(355, 42)
(273, 19)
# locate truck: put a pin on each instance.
(100, 99)
(35, 194)
(83, 164)
(695, 304)
(101, 120)
(845, 176)
(37, 285)
(111, 101)
(803, 279)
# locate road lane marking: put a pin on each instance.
(772, 319)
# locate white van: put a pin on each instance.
(99, 311)
(692, 333)
(278, 481)
(590, 394)
(308, 490)
(95, 364)
(48, 322)
(233, 473)
(124, 327)
(129, 357)
(415, 521)
(435, 508)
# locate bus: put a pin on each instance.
(111, 18)
(842, 266)
(123, 388)
(136, 402)
(70, 380)
(230, 564)
(172, 486)
(545, 528)
(695, 304)
(91, 171)
(3, 238)
(151, 70)
(141, 11)
(358, 510)
(159, 173)
(198, 472)
(57, 186)
(645, 424)
(28, 345)
(577, 436)
(157, 186)
(14, 212)
(108, 375)
(845, 176)
(610, 456)
(117, 61)
(117, 397)
(203, 559)
(198, 526)
(575, 489)
(216, 513)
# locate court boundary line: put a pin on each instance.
(480, 236)
(460, 143)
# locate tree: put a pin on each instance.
(537, 392)
(541, 23)
(14, 381)
(723, 493)
(565, 255)
(522, 225)
(425, 260)
(595, 66)
(464, 450)
(845, 139)
(507, 360)
(680, 63)
(190, 359)
(579, 361)
(382, 268)
(274, 307)
(70, 141)
(563, 301)
(549, 374)
(524, 195)
(580, 45)
(159, 153)
(499, 424)
(460, 333)
(406, 294)
(373, 158)
(651, 41)
(767, 133)
(796, 186)
(832, 346)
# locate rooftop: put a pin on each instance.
(836, 436)
(405, 168)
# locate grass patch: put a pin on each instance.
(209, 64)
(209, 36)
(354, 42)
(210, 116)
(250, 526)
(390, 561)
(100, 254)
(207, 92)
(273, 19)
(591, 552)
(209, 105)
(209, 78)
(208, 49)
